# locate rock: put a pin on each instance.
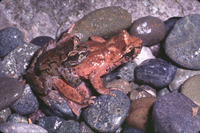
(150, 29)
(51, 123)
(169, 23)
(17, 118)
(175, 112)
(181, 76)
(162, 92)
(155, 72)
(108, 112)
(84, 128)
(21, 128)
(69, 126)
(27, 103)
(4, 114)
(157, 50)
(16, 62)
(191, 88)
(35, 116)
(139, 115)
(121, 84)
(0, 68)
(10, 91)
(182, 44)
(145, 54)
(41, 40)
(109, 77)
(131, 130)
(103, 22)
(10, 38)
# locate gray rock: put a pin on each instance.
(10, 91)
(84, 128)
(4, 114)
(17, 118)
(162, 92)
(69, 126)
(182, 43)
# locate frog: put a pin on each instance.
(50, 62)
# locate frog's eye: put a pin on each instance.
(76, 40)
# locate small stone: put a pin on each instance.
(41, 40)
(172, 113)
(191, 88)
(183, 42)
(155, 72)
(150, 29)
(69, 126)
(4, 114)
(109, 77)
(103, 22)
(131, 130)
(10, 38)
(84, 128)
(27, 103)
(169, 23)
(108, 112)
(162, 92)
(10, 91)
(139, 113)
(18, 118)
(35, 116)
(1, 68)
(51, 123)
(9, 127)
(121, 84)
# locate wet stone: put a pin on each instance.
(10, 38)
(41, 40)
(21, 128)
(150, 29)
(183, 42)
(155, 72)
(51, 123)
(108, 112)
(4, 114)
(175, 113)
(10, 91)
(17, 118)
(69, 126)
(191, 88)
(27, 103)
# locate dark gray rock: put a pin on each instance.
(10, 91)
(17, 118)
(162, 92)
(10, 38)
(27, 103)
(41, 40)
(51, 123)
(155, 72)
(108, 112)
(70, 126)
(21, 128)
(173, 113)
(4, 114)
(183, 42)
(84, 128)
(169, 23)
(131, 130)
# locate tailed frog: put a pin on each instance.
(50, 63)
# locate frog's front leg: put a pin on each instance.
(43, 85)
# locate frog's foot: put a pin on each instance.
(52, 95)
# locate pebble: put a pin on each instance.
(139, 115)
(169, 23)
(108, 112)
(69, 126)
(162, 92)
(1, 68)
(41, 40)
(35, 116)
(183, 42)
(10, 91)
(109, 77)
(102, 22)
(10, 38)
(27, 103)
(191, 88)
(4, 114)
(10, 127)
(121, 84)
(175, 113)
(17, 118)
(155, 72)
(84, 128)
(150, 29)
(51, 123)
(131, 130)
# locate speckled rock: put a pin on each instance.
(10, 38)
(131, 130)
(108, 112)
(150, 29)
(10, 91)
(182, 44)
(51, 123)
(155, 72)
(121, 84)
(21, 128)
(27, 103)
(41, 40)
(17, 118)
(4, 114)
(69, 126)
(84, 128)
(102, 22)
(17, 61)
(191, 88)
(176, 113)
(139, 115)
(162, 92)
